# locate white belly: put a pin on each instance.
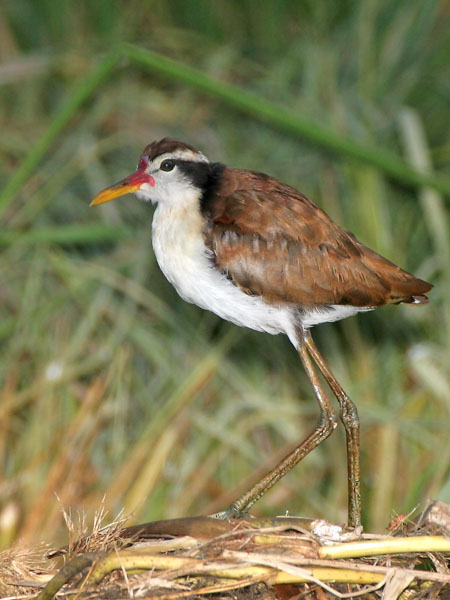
(182, 256)
(184, 260)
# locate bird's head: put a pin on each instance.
(167, 172)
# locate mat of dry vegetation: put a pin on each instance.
(280, 558)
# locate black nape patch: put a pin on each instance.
(197, 173)
(204, 176)
(215, 174)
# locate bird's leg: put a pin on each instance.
(325, 426)
(349, 417)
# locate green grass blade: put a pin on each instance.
(78, 95)
(66, 234)
(285, 119)
(245, 101)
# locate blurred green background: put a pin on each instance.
(112, 388)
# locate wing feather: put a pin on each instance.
(272, 241)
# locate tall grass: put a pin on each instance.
(113, 386)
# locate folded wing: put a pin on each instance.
(273, 242)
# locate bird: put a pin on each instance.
(256, 252)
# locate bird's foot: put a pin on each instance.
(328, 532)
(357, 531)
(232, 512)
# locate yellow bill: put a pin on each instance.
(130, 184)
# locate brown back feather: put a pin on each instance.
(274, 242)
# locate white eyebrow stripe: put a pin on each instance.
(181, 155)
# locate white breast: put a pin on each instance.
(186, 262)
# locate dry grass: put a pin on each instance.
(277, 558)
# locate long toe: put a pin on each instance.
(232, 512)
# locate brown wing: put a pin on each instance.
(274, 242)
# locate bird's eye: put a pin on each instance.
(167, 165)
